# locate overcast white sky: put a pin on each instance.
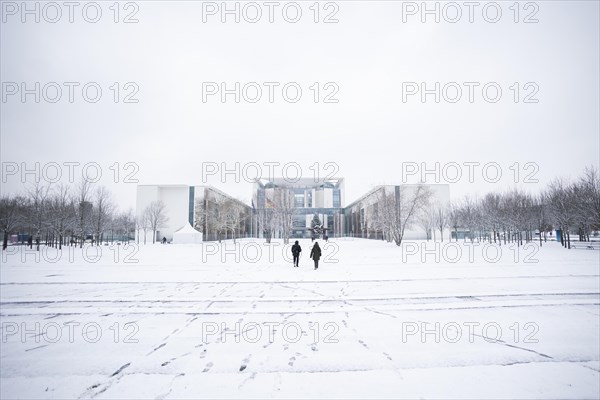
(369, 53)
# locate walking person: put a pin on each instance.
(315, 254)
(296, 250)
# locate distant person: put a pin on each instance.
(164, 241)
(296, 250)
(326, 238)
(30, 241)
(315, 254)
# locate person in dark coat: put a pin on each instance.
(164, 240)
(315, 254)
(296, 250)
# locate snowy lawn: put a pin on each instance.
(375, 320)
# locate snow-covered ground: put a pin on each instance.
(375, 320)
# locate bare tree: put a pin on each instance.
(427, 221)
(218, 214)
(540, 215)
(200, 216)
(267, 222)
(157, 217)
(517, 205)
(586, 198)
(82, 199)
(278, 215)
(378, 221)
(468, 216)
(285, 211)
(12, 211)
(560, 205)
(143, 224)
(102, 212)
(491, 213)
(401, 208)
(38, 213)
(61, 213)
(235, 217)
(128, 223)
(591, 181)
(440, 219)
(454, 218)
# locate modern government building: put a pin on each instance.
(311, 200)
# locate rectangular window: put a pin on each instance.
(337, 200)
(191, 205)
(299, 221)
(299, 200)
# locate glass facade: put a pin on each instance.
(260, 198)
(299, 199)
(322, 197)
(191, 206)
(337, 198)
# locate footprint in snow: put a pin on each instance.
(245, 362)
(208, 367)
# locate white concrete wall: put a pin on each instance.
(317, 198)
(327, 198)
(176, 200)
